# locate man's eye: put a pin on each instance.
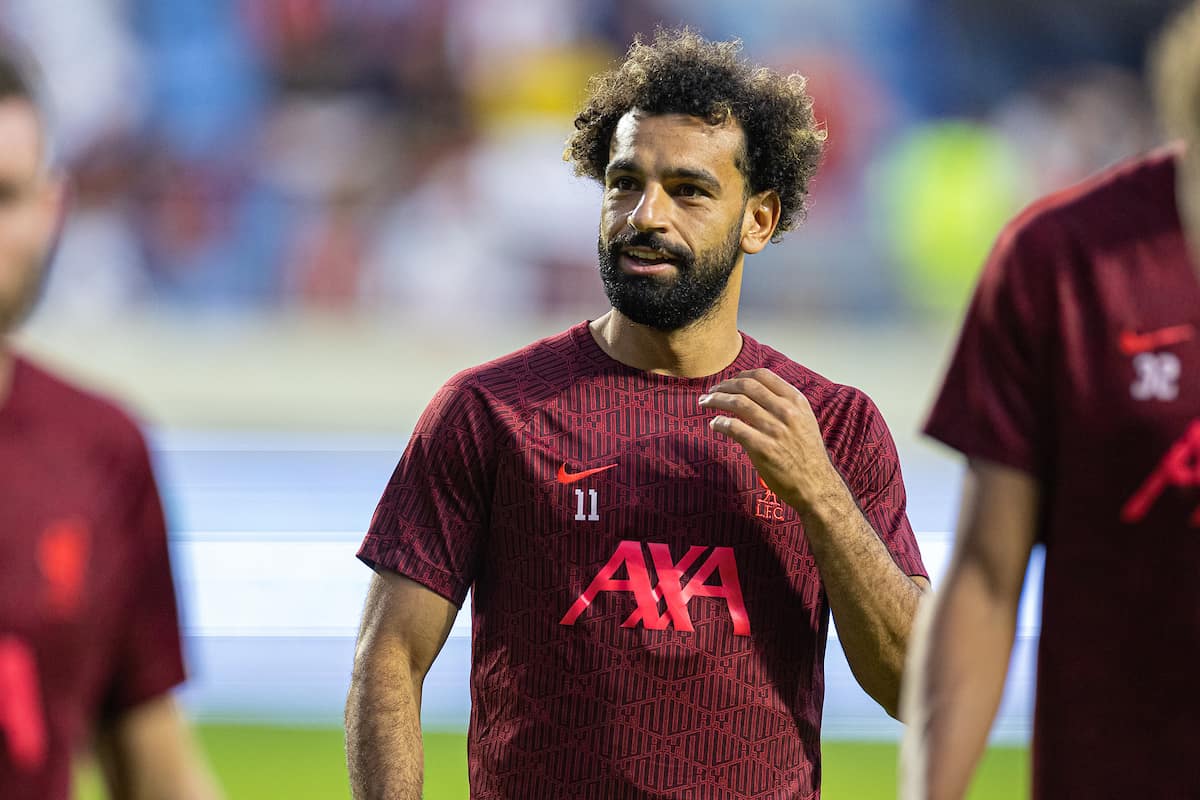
(624, 184)
(689, 190)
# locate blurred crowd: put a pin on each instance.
(403, 157)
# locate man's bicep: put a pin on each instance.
(997, 527)
(403, 618)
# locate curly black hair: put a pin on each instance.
(683, 73)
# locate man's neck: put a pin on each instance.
(705, 347)
(1187, 201)
(1191, 241)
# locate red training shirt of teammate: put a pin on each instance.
(1075, 394)
(88, 629)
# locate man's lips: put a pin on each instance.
(646, 262)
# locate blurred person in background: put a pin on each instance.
(656, 514)
(1075, 396)
(89, 639)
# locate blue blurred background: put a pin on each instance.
(293, 219)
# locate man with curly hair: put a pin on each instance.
(1075, 396)
(655, 513)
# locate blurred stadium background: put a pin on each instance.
(293, 219)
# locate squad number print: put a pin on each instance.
(592, 511)
(1157, 376)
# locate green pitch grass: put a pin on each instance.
(264, 763)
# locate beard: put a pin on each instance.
(668, 305)
(17, 301)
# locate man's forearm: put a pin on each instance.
(148, 752)
(383, 731)
(873, 602)
(961, 652)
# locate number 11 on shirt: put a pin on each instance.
(580, 516)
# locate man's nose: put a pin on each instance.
(650, 214)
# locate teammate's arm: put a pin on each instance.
(872, 600)
(147, 753)
(144, 744)
(403, 629)
(965, 634)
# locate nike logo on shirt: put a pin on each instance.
(572, 477)
(1133, 343)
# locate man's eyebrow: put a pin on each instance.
(621, 165)
(687, 173)
(694, 174)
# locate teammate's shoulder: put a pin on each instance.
(1124, 200)
(92, 418)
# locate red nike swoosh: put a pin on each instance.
(1133, 343)
(571, 477)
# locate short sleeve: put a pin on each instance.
(877, 483)
(149, 659)
(991, 401)
(433, 515)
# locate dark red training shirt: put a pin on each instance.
(1079, 363)
(648, 619)
(87, 607)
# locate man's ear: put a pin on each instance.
(760, 220)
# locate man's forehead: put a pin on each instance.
(682, 139)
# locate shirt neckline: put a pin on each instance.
(747, 358)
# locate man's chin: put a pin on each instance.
(660, 319)
(14, 311)
(9, 322)
(18, 301)
(10, 315)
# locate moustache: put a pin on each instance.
(651, 241)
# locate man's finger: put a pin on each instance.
(755, 390)
(773, 382)
(741, 406)
(751, 439)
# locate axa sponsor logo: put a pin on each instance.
(22, 725)
(663, 603)
(1179, 468)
